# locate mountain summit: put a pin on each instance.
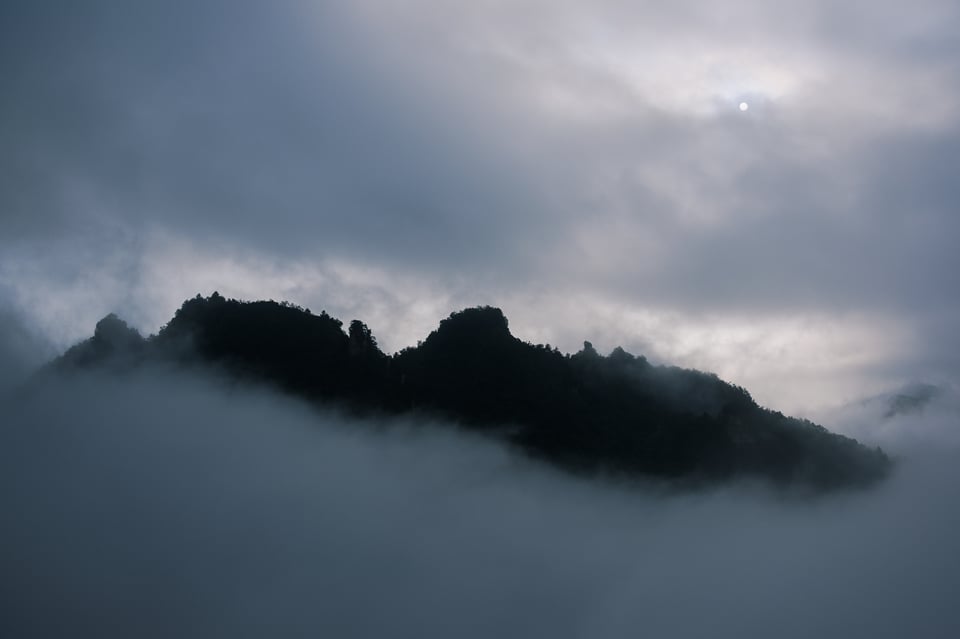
(615, 414)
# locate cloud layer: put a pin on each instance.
(159, 506)
(395, 164)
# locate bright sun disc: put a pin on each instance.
(744, 106)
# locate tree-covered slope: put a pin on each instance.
(616, 414)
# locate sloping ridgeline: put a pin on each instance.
(616, 414)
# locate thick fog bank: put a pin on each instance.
(167, 507)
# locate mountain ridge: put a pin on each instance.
(616, 414)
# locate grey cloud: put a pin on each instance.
(319, 140)
(229, 122)
(911, 419)
(158, 507)
(22, 349)
(497, 150)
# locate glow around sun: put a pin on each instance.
(744, 106)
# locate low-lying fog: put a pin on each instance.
(173, 507)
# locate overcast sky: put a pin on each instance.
(585, 166)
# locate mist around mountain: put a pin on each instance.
(913, 398)
(904, 418)
(21, 351)
(157, 501)
(616, 415)
(153, 493)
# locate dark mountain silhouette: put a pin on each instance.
(614, 414)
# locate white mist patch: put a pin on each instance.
(912, 419)
(166, 507)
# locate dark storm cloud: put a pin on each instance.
(159, 507)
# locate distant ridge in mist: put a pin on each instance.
(615, 414)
